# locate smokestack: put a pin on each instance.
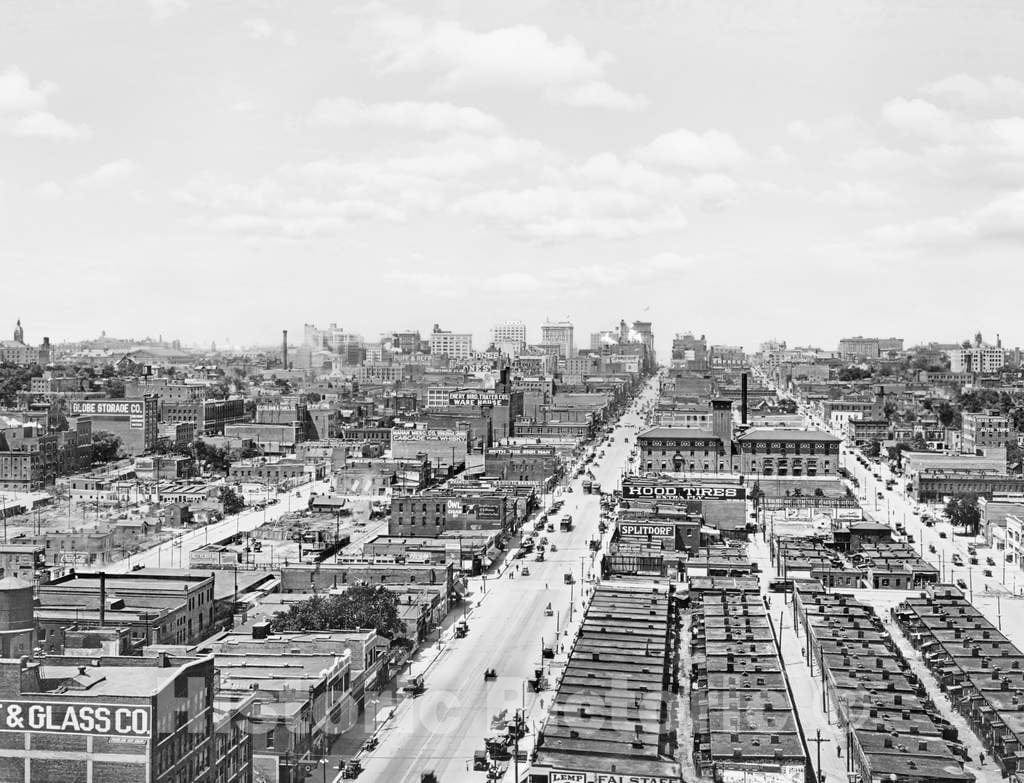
(743, 398)
(103, 598)
(284, 348)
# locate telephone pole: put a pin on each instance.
(818, 740)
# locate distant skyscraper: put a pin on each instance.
(558, 333)
(509, 332)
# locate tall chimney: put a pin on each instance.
(103, 598)
(743, 398)
(284, 348)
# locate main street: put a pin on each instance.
(439, 730)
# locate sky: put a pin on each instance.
(746, 169)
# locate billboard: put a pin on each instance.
(646, 529)
(115, 720)
(472, 397)
(114, 409)
(419, 435)
(683, 491)
(607, 777)
(488, 512)
(522, 451)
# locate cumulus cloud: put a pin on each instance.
(165, 9)
(1001, 219)
(44, 125)
(260, 29)
(428, 117)
(516, 57)
(24, 109)
(688, 149)
(18, 95)
(601, 95)
(109, 173)
(562, 212)
(859, 195)
(995, 93)
(48, 190)
(918, 117)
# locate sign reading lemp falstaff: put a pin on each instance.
(607, 777)
(116, 720)
(685, 491)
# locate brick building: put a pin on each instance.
(769, 452)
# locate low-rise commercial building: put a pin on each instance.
(614, 714)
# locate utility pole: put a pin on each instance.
(818, 740)
(518, 725)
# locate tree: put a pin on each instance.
(788, 406)
(948, 416)
(873, 449)
(232, 501)
(217, 458)
(115, 387)
(963, 512)
(819, 492)
(106, 446)
(361, 606)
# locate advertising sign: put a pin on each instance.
(606, 777)
(116, 720)
(476, 397)
(522, 451)
(852, 514)
(633, 529)
(685, 491)
(73, 559)
(488, 512)
(416, 435)
(115, 409)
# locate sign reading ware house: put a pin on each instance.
(685, 491)
(117, 720)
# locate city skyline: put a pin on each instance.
(644, 159)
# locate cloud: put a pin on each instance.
(522, 57)
(165, 9)
(1002, 219)
(109, 173)
(18, 95)
(811, 131)
(996, 93)
(43, 125)
(260, 29)
(859, 195)
(48, 190)
(428, 117)
(549, 212)
(23, 109)
(687, 149)
(917, 117)
(601, 95)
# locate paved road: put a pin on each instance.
(440, 729)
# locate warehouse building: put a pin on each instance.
(614, 716)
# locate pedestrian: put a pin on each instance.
(545, 585)
(981, 759)
(839, 751)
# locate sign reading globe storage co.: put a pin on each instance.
(684, 491)
(132, 411)
(107, 720)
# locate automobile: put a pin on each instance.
(957, 560)
(974, 561)
(910, 539)
(931, 548)
(780, 585)
(971, 549)
(942, 534)
(990, 561)
(988, 572)
(961, 584)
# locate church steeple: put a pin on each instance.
(19, 333)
